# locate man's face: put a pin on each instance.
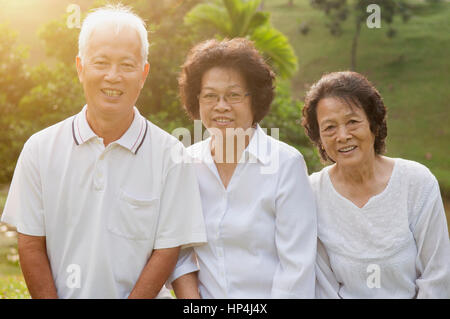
(112, 73)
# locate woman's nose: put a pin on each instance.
(342, 134)
(222, 105)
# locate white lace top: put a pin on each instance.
(395, 246)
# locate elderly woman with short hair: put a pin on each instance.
(381, 223)
(257, 203)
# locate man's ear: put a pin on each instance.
(145, 72)
(79, 68)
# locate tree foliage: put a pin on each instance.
(14, 83)
(60, 41)
(339, 11)
(285, 114)
(238, 18)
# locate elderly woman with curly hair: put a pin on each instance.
(258, 206)
(381, 223)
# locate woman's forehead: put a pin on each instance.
(330, 107)
(222, 76)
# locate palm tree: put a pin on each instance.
(237, 18)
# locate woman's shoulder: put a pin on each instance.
(280, 154)
(421, 187)
(195, 150)
(414, 172)
(285, 150)
(317, 179)
(417, 181)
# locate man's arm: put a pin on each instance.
(186, 286)
(155, 273)
(36, 267)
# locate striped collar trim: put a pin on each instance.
(132, 139)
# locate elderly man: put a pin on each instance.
(101, 206)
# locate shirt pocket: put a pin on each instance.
(134, 218)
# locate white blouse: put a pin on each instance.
(395, 246)
(261, 229)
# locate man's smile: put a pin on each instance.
(112, 92)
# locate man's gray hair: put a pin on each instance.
(118, 16)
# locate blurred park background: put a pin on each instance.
(406, 58)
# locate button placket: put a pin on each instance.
(98, 179)
(220, 248)
(99, 173)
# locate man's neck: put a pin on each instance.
(110, 127)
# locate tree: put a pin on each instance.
(285, 114)
(339, 10)
(169, 45)
(237, 18)
(14, 83)
(60, 41)
(56, 95)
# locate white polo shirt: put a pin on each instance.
(103, 209)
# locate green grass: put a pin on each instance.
(13, 287)
(9, 264)
(410, 71)
(12, 284)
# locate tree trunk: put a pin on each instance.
(291, 3)
(355, 44)
(261, 6)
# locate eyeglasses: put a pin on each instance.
(230, 97)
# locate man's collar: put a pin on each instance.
(135, 135)
(132, 139)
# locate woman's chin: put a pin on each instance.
(220, 128)
(349, 161)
